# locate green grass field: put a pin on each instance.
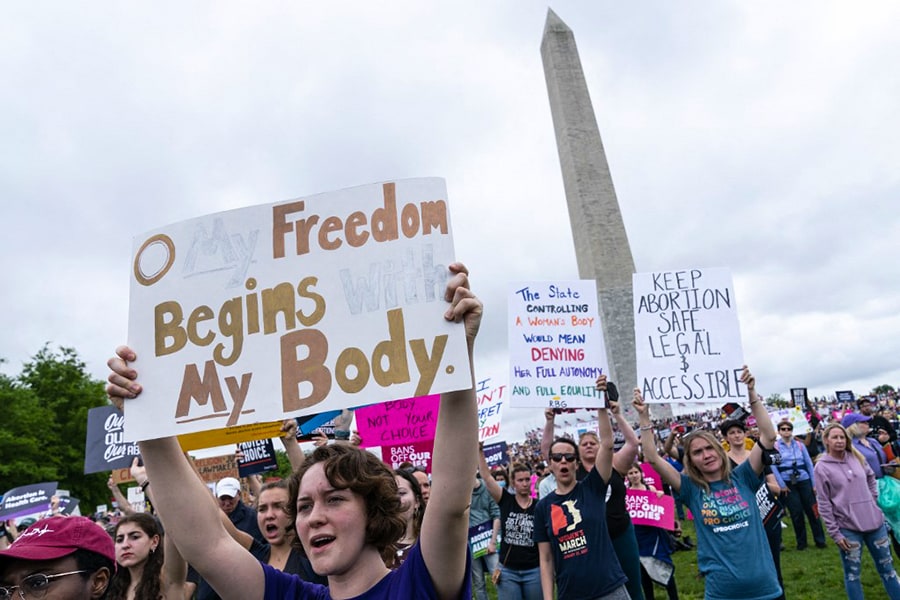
(812, 574)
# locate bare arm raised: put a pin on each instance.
(191, 516)
(445, 527)
(767, 433)
(627, 454)
(648, 443)
(487, 478)
(605, 452)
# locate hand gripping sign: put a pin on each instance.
(294, 308)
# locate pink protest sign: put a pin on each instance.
(651, 477)
(646, 509)
(419, 454)
(398, 421)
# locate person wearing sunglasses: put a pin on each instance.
(724, 504)
(59, 558)
(795, 474)
(570, 523)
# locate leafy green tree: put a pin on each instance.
(776, 400)
(43, 437)
(883, 389)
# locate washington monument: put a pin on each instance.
(601, 245)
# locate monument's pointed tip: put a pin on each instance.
(554, 23)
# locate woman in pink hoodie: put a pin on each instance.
(846, 492)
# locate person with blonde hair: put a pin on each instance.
(847, 493)
(724, 504)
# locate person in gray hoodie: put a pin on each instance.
(846, 493)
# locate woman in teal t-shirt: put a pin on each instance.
(724, 505)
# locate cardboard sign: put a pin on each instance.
(27, 500)
(795, 416)
(257, 456)
(687, 337)
(398, 422)
(495, 454)
(260, 313)
(556, 347)
(491, 397)
(646, 509)
(213, 469)
(105, 445)
(479, 538)
(121, 475)
(417, 453)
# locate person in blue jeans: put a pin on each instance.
(847, 493)
(520, 568)
(795, 475)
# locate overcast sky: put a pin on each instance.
(757, 136)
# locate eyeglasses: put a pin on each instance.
(785, 429)
(558, 457)
(34, 585)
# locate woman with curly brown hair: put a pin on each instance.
(345, 503)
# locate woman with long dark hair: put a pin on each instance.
(413, 506)
(145, 571)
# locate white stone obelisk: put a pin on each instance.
(601, 245)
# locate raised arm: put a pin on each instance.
(289, 441)
(174, 569)
(669, 445)
(445, 528)
(763, 422)
(627, 454)
(547, 436)
(487, 478)
(604, 427)
(119, 497)
(666, 471)
(184, 503)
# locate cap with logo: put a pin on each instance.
(56, 537)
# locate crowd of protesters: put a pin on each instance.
(554, 516)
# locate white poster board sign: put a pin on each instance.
(687, 337)
(795, 416)
(556, 347)
(294, 308)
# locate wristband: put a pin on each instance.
(341, 435)
(144, 485)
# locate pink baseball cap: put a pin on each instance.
(56, 537)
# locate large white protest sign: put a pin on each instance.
(556, 348)
(294, 308)
(687, 336)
